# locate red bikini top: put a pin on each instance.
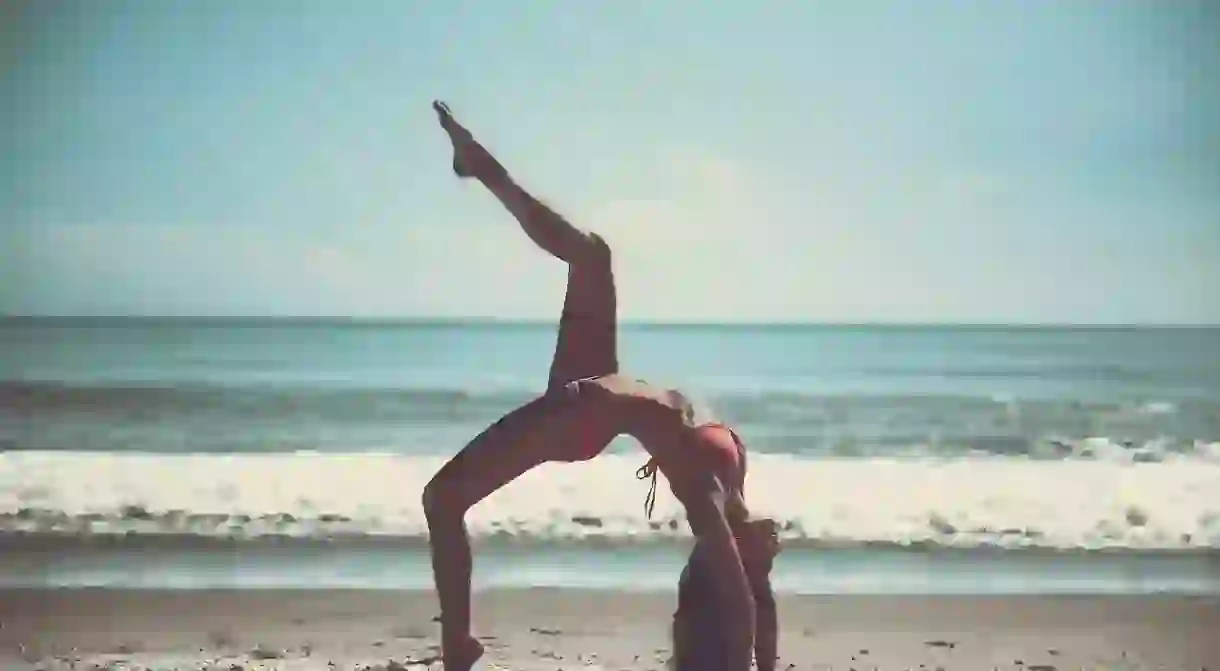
(649, 470)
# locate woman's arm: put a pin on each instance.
(759, 544)
(704, 498)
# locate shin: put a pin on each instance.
(452, 562)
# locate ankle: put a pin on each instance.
(465, 647)
(458, 640)
(462, 656)
(456, 632)
(490, 173)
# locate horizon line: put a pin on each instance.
(515, 321)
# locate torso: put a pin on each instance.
(645, 408)
(663, 421)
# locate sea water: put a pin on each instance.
(898, 459)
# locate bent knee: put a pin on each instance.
(599, 249)
(440, 499)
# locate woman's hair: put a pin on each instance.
(695, 411)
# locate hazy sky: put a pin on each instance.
(783, 161)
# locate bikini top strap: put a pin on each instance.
(741, 457)
(649, 470)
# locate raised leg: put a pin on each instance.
(547, 229)
(587, 344)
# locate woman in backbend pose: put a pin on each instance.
(586, 405)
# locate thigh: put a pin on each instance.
(497, 456)
(587, 344)
(549, 428)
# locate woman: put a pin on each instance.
(587, 404)
(700, 622)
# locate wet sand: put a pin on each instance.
(550, 629)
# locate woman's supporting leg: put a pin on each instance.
(553, 427)
(526, 437)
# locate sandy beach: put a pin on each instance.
(539, 629)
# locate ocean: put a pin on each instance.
(898, 459)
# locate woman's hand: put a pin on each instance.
(759, 540)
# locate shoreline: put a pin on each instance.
(131, 562)
(238, 319)
(18, 540)
(544, 628)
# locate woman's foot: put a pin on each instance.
(470, 159)
(462, 656)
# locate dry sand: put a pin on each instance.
(545, 629)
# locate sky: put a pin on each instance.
(1033, 162)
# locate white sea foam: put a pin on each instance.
(1098, 502)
